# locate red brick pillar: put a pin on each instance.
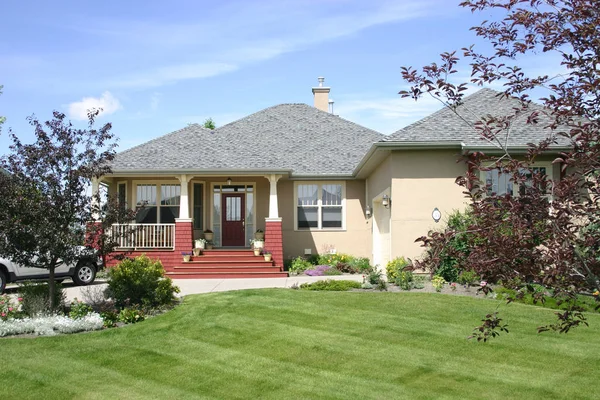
(274, 240)
(184, 236)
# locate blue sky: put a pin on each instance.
(155, 66)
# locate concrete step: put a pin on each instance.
(225, 268)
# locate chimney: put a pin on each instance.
(321, 94)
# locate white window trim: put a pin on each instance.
(541, 164)
(319, 206)
(158, 193)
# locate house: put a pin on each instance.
(311, 180)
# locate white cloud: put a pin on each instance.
(154, 101)
(107, 102)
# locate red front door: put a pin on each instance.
(233, 223)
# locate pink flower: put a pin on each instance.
(483, 283)
(3, 314)
(20, 299)
(10, 308)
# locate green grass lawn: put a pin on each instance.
(291, 344)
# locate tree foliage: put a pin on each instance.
(44, 207)
(209, 124)
(548, 234)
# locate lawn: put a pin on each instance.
(291, 344)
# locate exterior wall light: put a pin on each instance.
(228, 181)
(436, 215)
(386, 201)
(368, 211)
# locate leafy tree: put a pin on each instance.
(530, 238)
(44, 207)
(209, 124)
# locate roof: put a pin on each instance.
(446, 126)
(294, 137)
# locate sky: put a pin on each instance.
(156, 66)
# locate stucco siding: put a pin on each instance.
(422, 181)
(354, 240)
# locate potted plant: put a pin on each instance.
(259, 234)
(208, 234)
(257, 251)
(267, 255)
(209, 245)
(187, 255)
(197, 251)
(257, 243)
(200, 243)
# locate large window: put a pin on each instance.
(500, 183)
(157, 203)
(320, 205)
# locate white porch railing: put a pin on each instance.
(144, 236)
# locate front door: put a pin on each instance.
(233, 221)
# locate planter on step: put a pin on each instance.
(259, 234)
(197, 251)
(257, 252)
(267, 256)
(187, 257)
(208, 235)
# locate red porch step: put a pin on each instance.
(225, 263)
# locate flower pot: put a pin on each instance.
(208, 235)
(259, 235)
(267, 257)
(257, 252)
(186, 258)
(197, 251)
(209, 247)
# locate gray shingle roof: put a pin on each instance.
(445, 126)
(297, 137)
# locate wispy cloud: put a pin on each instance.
(154, 101)
(107, 103)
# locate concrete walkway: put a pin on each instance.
(194, 286)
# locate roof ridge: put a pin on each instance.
(165, 136)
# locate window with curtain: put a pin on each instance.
(157, 203)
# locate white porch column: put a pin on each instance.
(273, 206)
(184, 203)
(95, 199)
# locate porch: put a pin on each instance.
(174, 211)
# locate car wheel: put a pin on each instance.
(2, 281)
(85, 273)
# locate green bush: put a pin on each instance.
(36, 299)
(362, 264)
(393, 267)
(299, 265)
(468, 278)
(142, 282)
(374, 277)
(338, 286)
(131, 315)
(458, 248)
(404, 280)
(79, 309)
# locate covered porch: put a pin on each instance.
(174, 210)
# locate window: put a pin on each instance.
(500, 183)
(320, 206)
(198, 208)
(122, 195)
(154, 209)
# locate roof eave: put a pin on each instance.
(203, 172)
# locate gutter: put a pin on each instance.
(204, 172)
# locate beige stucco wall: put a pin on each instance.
(422, 181)
(354, 240)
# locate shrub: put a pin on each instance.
(50, 325)
(404, 280)
(36, 299)
(362, 264)
(382, 285)
(331, 285)
(141, 281)
(438, 283)
(374, 277)
(393, 267)
(79, 309)
(419, 282)
(468, 278)
(346, 268)
(110, 318)
(131, 315)
(299, 265)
